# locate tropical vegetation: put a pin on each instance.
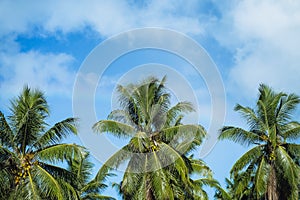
(159, 166)
(36, 163)
(88, 189)
(31, 153)
(270, 169)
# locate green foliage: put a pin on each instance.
(157, 153)
(273, 163)
(29, 151)
(88, 189)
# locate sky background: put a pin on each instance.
(44, 43)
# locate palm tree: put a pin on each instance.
(30, 151)
(271, 167)
(88, 189)
(158, 167)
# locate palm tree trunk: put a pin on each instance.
(149, 195)
(272, 185)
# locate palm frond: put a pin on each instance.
(179, 108)
(167, 155)
(252, 119)
(288, 105)
(131, 183)
(6, 134)
(244, 179)
(239, 135)
(127, 102)
(223, 193)
(263, 113)
(196, 133)
(59, 152)
(199, 167)
(293, 131)
(252, 155)
(116, 128)
(142, 189)
(261, 178)
(96, 196)
(52, 188)
(117, 158)
(81, 166)
(122, 116)
(60, 173)
(140, 143)
(58, 132)
(93, 186)
(161, 187)
(290, 168)
(69, 191)
(34, 190)
(7, 157)
(103, 174)
(294, 151)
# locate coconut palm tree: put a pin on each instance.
(271, 167)
(88, 189)
(158, 167)
(30, 154)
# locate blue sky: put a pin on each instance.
(43, 44)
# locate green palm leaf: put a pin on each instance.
(34, 189)
(293, 133)
(5, 131)
(252, 155)
(58, 152)
(261, 178)
(58, 132)
(290, 169)
(52, 188)
(96, 196)
(116, 128)
(239, 135)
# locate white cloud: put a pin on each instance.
(267, 20)
(49, 72)
(106, 17)
(264, 37)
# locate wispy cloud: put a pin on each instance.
(49, 72)
(106, 17)
(264, 38)
(52, 71)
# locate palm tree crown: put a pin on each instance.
(271, 167)
(158, 166)
(29, 151)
